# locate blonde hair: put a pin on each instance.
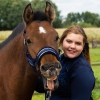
(78, 30)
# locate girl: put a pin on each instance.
(76, 79)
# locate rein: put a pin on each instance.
(48, 95)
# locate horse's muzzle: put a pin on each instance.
(50, 74)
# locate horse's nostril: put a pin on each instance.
(44, 67)
(57, 65)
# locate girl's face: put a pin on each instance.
(72, 45)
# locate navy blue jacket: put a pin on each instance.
(76, 80)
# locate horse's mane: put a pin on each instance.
(15, 32)
(38, 16)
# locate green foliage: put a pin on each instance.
(11, 15)
(82, 24)
(90, 18)
(38, 4)
(86, 19)
(85, 25)
(11, 12)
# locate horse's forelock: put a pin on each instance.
(39, 16)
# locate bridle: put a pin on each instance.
(35, 61)
(45, 50)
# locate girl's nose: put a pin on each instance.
(72, 45)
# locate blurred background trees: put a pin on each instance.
(11, 14)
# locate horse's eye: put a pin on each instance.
(57, 38)
(28, 41)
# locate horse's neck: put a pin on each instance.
(14, 51)
(16, 68)
(15, 48)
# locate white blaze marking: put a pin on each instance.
(42, 30)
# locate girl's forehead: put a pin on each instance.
(73, 36)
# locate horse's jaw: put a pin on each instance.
(50, 83)
(50, 73)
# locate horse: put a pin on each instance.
(30, 49)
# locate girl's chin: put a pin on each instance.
(71, 56)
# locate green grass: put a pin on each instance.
(38, 97)
(96, 70)
(96, 91)
(95, 54)
(96, 94)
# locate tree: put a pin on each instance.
(11, 13)
(85, 19)
(91, 18)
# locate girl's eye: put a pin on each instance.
(78, 43)
(68, 41)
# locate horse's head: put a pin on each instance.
(41, 43)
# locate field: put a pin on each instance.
(4, 34)
(91, 32)
(95, 58)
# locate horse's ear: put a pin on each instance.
(28, 14)
(50, 12)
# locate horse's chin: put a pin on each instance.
(50, 83)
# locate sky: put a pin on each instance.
(67, 6)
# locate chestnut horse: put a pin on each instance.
(32, 47)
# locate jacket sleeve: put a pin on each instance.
(39, 86)
(82, 83)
